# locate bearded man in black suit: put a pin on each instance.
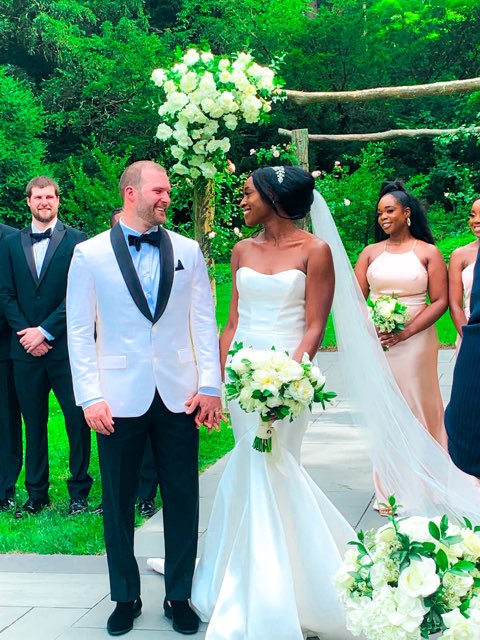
(33, 282)
(10, 419)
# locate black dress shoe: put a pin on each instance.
(77, 505)
(121, 620)
(184, 619)
(146, 508)
(34, 505)
(7, 504)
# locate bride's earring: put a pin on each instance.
(409, 222)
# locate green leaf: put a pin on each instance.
(441, 560)
(434, 530)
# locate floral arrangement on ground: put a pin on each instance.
(413, 578)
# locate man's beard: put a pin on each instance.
(147, 214)
(44, 215)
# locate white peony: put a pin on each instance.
(226, 100)
(301, 390)
(225, 76)
(386, 533)
(177, 101)
(206, 57)
(246, 401)
(224, 64)
(419, 578)
(164, 132)
(207, 83)
(191, 57)
(243, 59)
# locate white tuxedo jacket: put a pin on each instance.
(133, 353)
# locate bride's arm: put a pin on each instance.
(320, 286)
(231, 326)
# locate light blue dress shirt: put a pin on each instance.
(39, 252)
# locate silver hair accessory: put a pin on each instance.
(280, 173)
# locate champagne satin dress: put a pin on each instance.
(414, 361)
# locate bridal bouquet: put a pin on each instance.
(272, 384)
(413, 578)
(388, 314)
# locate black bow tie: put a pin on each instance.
(38, 237)
(151, 238)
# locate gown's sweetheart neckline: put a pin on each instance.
(272, 274)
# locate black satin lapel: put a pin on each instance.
(127, 268)
(58, 234)
(28, 251)
(166, 274)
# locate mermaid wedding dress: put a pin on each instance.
(274, 541)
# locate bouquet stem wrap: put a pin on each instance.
(264, 441)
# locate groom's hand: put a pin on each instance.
(99, 418)
(209, 410)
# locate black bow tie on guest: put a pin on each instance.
(151, 238)
(38, 237)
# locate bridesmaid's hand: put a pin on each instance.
(388, 340)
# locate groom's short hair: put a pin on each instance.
(132, 176)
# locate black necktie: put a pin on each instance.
(151, 238)
(38, 237)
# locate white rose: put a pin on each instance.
(208, 170)
(180, 168)
(191, 57)
(343, 581)
(223, 64)
(226, 100)
(159, 77)
(189, 82)
(164, 132)
(169, 86)
(177, 100)
(237, 364)
(386, 534)
(231, 122)
(217, 110)
(206, 57)
(207, 83)
(459, 627)
(183, 140)
(242, 60)
(225, 76)
(180, 68)
(177, 152)
(470, 545)
(419, 578)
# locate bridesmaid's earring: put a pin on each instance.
(409, 222)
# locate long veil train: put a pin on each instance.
(411, 464)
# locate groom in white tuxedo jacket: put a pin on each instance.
(143, 349)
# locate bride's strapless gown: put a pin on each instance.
(414, 361)
(274, 541)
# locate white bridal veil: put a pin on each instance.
(410, 463)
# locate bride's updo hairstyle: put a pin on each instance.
(419, 227)
(291, 188)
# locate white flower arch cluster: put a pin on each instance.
(204, 95)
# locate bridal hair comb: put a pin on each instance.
(280, 173)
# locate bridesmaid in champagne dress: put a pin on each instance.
(405, 261)
(460, 274)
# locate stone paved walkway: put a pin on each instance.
(67, 597)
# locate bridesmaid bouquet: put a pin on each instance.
(388, 314)
(413, 578)
(275, 386)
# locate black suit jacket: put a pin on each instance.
(5, 331)
(31, 301)
(462, 415)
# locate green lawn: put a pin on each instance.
(53, 531)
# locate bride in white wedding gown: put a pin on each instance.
(274, 541)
